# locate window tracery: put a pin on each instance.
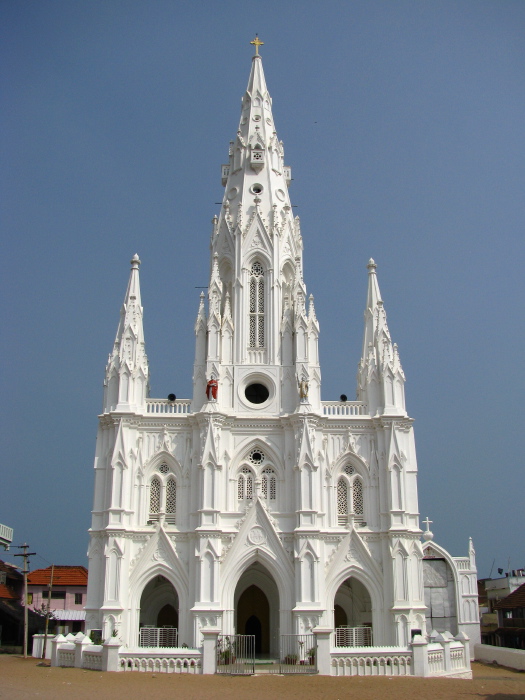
(269, 484)
(256, 339)
(163, 496)
(171, 500)
(357, 498)
(350, 496)
(342, 501)
(245, 485)
(154, 498)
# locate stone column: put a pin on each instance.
(209, 650)
(110, 654)
(419, 656)
(322, 635)
(59, 639)
(80, 645)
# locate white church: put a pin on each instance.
(255, 507)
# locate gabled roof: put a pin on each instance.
(516, 599)
(62, 576)
(7, 593)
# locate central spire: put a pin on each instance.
(259, 334)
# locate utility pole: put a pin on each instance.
(26, 555)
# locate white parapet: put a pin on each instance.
(513, 658)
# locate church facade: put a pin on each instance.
(255, 507)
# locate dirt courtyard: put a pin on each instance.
(21, 679)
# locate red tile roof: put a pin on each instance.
(63, 576)
(7, 593)
(516, 599)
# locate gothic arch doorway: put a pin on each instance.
(253, 617)
(353, 611)
(159, 604)
(257, 609)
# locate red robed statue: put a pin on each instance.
(211, 389)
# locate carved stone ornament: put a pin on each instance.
(160, 553)
(257, 536)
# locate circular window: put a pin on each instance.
(349, 470)
(256, 456)
(280, 195)
(257, 118)
(256, 189)
(164, 469)
(256, 393)
(232, 193)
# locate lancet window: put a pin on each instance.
(350, 496)
(245, 485)
(256, 306)
(163, 495)
(154, 498)
(269, 484)
(357, 499)
(171, 500)
(342, 501)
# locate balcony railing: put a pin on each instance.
(158, 637)
(165, 406)
(6, 535)
(347, 408)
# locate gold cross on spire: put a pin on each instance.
(257, 42)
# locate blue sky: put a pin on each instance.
(404, 125)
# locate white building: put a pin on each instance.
(256, 507)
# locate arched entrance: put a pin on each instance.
(159, 607)
(353, 611)
(253, 617)
(257, 609)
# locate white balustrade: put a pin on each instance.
(376, 662)
(181, 662)
(179, 406)
(92, 660)
(66, 655)
(347, 408)
(436, 659)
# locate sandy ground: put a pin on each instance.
(21, 679)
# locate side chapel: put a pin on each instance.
(255, 506)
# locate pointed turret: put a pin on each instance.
(380, 377)
(126, 383)
(199, 365)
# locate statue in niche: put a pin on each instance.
(212, 388)
(303, 388)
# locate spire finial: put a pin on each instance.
(257, 42)
(135, 262)
(428, 535)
